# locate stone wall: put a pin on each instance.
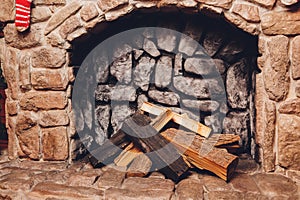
(38, 106)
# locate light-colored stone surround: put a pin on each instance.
(38, 120)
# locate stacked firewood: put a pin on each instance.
(168, 142)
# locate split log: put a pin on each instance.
(201, 154)
(127, 155)
(182, 120)
(139, 167)
(109, 150)
(161, 153)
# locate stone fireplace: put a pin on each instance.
(254, 44)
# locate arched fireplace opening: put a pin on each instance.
(233, 51)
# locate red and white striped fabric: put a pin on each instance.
(22, 19)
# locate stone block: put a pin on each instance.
(116, 93)
(241, 23)
(247, 11)
(111, 178)
(237, 84)
(265, 3)
(55, 143)
(200, 66)
(12, 107)
(189, 189)
(125, 194)
(43, 100)
(119, 114)
(106, 5)
(61, 15)
(141, 184)
(50, 2)
(205, 105)
(276, 77)
(89, 12)
(24, 71)
(29, 141)
(187, 45)
(69, 26)
(281, 22)
(150, 48)
(289, 2)
(143, 71)
(29, 39)
(225, 195)
(275, 185)
(163, 72)
(223, 3)
(49, 79)
(199, 88)
(103, 116)
(53, 118)
(214, 121)
(289, 141)
(295, 58)
(48, 57)
(291, 106)
(115, 14)
(40, 14)
(269, 137)
(166, 39)
(7, 11)
(121, 68)
(169, 98)
(55, 40)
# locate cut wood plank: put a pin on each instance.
(161, 153)
(182, 120)
(139, 167)
(216, 160)
(161, 120)
(109, 150)
(127, 155)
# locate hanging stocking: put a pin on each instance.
(22, 19)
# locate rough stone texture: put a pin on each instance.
(24, 70)
(214, 121)
(61, 15)
(237, 83)
(88, 12)
(178, 64)
(220, 65)
(24, 40)
(241, 23)
(275, 185)
(200, 66)
(103, 116)
(205, 105)
(48, 57)
(223, 3)
(103, 93)
(225, 195)
(123, 93)
(107, 5)
(53, 118)
(101, 66)
(69, 26)
(140, 184)
(280, 22)
(115, 14)
(269, 137)
(166, 40)
(49, 189)
(119, 114)
(50, 2)
(55, 40)
(238, 123)
(43, 100)
(189, 189)
(199, 88)
(291, 106)
(150, 48)
(295, 61)
(142, 72)
(231, 51)
(289, 141)
(7, 11)
(55, 143)
(246, 11)
(111, 178)
(124, 194)
(40, 14)
(169, 98)
(12, 107)
(29, 141)
(122, 68)
(213, 41)
(163, 72)
(276, 78)
(46, 79)
(141, 99)
(289, 2)
(213, 183)
(187, 45)
(266, 3)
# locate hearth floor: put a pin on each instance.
(61, 181)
